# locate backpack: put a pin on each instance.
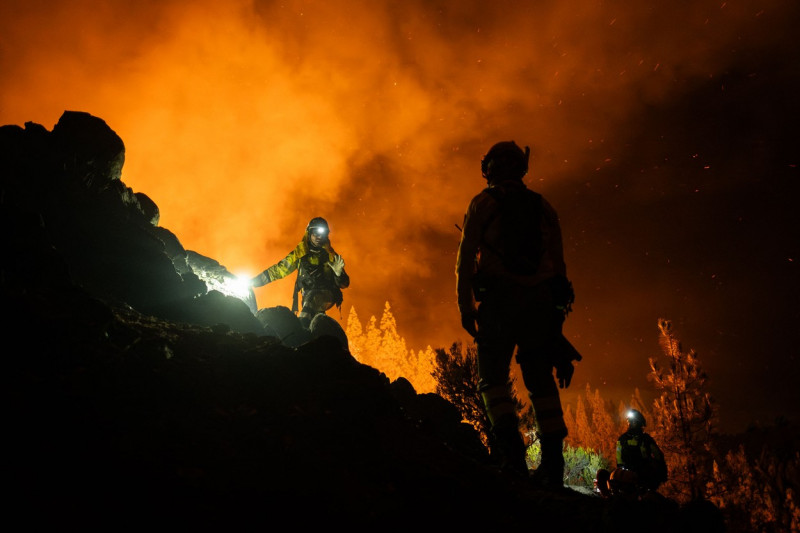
(520, 217)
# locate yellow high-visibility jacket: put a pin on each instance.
(638, 451)
(314, 271)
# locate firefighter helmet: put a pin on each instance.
(505, 160)
(318, 226)
(635, 416)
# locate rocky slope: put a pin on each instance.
(138, 395)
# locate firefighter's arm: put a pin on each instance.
(260, 280)
(658, 459)
(655, 450)
(279, 270)
(465, 271)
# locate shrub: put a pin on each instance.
(581, 464)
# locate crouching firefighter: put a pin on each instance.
(320, 277)
(513, 292)
(641, 466)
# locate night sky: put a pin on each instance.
(663, 132)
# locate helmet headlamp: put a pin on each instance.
(318, 226)
(635, 417)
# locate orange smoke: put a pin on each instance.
(244, 119)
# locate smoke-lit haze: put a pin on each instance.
(664, 133)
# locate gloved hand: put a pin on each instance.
(337, 265)
(469, 322)
(563, 353)
(260, 280)
(564, 373)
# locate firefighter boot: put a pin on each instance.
(511, 449)
(550, 473)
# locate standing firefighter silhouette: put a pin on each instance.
(513, 293)
(320, 277)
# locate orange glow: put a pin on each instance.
(244, 119)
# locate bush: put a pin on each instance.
(580, 467)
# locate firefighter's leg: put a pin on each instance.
(551, 470)
(508, 444)
(494, 360)
(307, 310)
(537, 375)
(314, 302)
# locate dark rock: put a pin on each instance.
(217, 277)
(149, 208)
(212, 309)
(70, 180)
(285, 324)
(90, 152)
(324, 325)
(174, 250)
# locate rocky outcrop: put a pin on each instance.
(63, 196)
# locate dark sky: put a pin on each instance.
(665, 134)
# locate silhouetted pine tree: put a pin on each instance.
(384, 349)
(604, 430)
(392, 357)
(684, 416)
(592, 427)
(423, 363)
(581, 434)
(372, 343)
(355, 335)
